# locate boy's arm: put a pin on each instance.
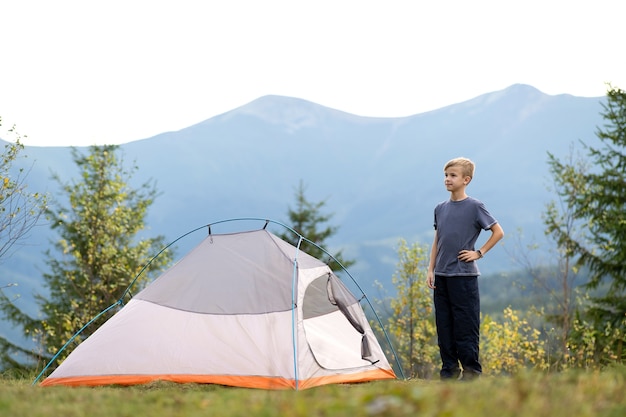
(496, 234)
(471, 255)
(430, 275)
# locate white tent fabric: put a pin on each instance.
(244, 309)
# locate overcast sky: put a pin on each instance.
(86, 72)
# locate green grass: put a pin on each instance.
(569, 394)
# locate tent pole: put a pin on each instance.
(294, 318)
(72, 339)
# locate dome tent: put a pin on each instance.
(241, 309)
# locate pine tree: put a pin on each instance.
(597, 198)
(306, 219)
(100, 252)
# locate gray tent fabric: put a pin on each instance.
(243, 265)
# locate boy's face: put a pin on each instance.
(454, 179)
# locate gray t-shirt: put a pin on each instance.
(458, 224)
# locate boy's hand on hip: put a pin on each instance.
(468, 255)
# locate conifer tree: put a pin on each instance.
(597, 198)
(101, 250)
(306, 218)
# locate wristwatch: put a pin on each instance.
(480, 254)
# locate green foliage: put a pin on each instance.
(100, 251)
(20, 210)
(410, 322)
(596, 197)
(594, 344)
(554, 277)
(511, 346)
(306, 219)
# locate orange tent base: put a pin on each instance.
(260, 382)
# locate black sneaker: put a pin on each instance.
(450, 376)
(469, 375)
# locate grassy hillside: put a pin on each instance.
(569, 394)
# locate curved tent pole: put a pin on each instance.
(119, 302)
(156, 256)
(301, 238)
(72, 339)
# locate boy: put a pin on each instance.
(453, 274)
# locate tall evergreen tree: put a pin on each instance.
(597, 197)
(100, 252)
(306, 218)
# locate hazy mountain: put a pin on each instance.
(381, 177)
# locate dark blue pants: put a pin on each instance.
(457, 315)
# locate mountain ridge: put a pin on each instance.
(380, 177)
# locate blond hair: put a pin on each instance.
(467, 166)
